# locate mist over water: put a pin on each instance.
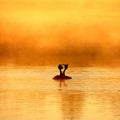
(75, 46)
(54, 31)
(73, 35)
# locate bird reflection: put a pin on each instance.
(62, 82)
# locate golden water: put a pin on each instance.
(29, 93)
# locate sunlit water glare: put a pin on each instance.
(30, 93)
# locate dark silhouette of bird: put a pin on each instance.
(62, 74)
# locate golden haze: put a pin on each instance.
(89, 29)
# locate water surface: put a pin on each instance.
(29, 93)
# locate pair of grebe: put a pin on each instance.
(62, 73)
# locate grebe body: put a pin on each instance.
(58, 77)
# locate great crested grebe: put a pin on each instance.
(62, 74)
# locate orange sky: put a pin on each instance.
(49, 21)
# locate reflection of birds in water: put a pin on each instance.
(62, 74)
